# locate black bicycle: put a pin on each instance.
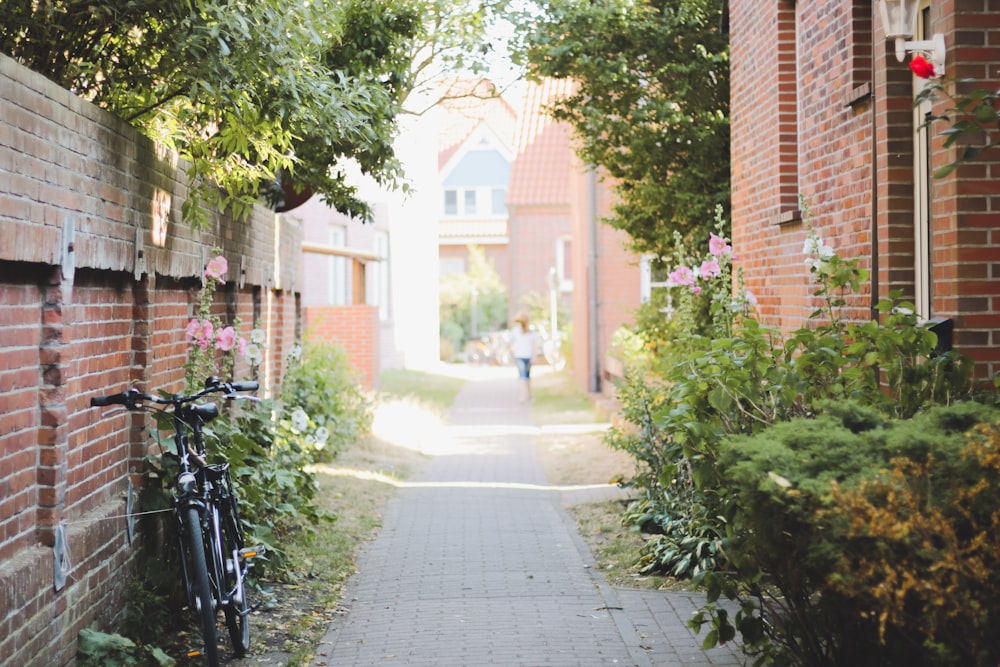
(214, 559)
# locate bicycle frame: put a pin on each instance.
(214, 560)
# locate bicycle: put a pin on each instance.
(214, 559)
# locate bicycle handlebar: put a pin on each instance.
(130, 398)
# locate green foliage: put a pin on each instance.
(973, 118)
(867, 539)
(474, 302)
(651, 105)
(97, 649)
(741, 435)
(269, 458)
(323, 385)
(148, 614)
(256, 94)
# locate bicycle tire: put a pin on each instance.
(237, 611)
(201, 599)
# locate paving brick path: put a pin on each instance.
(478, 563)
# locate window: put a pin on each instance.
(653, 275)
(476, 202)
(377, 277)
(564, 263)
(336, 278)
(451, 202)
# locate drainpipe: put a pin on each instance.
(595, 351)
(874, 233)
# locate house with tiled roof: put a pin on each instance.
(539, 199)
(474, 163)
(556, 208)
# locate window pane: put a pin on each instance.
(470, 202)
(450, 202)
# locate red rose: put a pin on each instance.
(921, 67)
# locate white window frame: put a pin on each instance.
(565, 278)
(377, 276)
(647, 284)
(922, 243)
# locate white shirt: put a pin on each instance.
(522, 343)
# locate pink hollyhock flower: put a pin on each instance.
(682, 276)
(922, 67)
(225, 340)
(241, 346)
(200, 332)
(718, 246)
(710, 268)
(217, 267)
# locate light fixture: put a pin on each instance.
(899, 19)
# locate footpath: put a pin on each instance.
(478, 563)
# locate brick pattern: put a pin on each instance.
(534, 231)
(98, 279)
(618, 292)
(842, 115)
(356, 328)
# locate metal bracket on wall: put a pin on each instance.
(243, 271)
(129, 516)
(139, 260)
(68, 254)
(60, 559)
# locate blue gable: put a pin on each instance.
(479, 168)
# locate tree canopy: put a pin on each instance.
(651, 105)
(252, 92)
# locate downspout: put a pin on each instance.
(594, 385)
(874, 233)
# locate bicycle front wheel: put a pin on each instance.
(200, 593)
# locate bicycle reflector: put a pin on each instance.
(251, 552)
(187, 483)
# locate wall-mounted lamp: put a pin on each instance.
(899, 19)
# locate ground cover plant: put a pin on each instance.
(760, 453)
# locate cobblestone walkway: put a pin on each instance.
(478, 563)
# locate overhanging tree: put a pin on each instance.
(651, 106)
(252, 91)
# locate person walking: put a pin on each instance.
(524, 347)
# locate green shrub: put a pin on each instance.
(321, 382)
(861, 540)
(744, 520)
(471, 303)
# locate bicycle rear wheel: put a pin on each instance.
(237, 611)
(200, 591)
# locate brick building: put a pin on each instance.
(98, 279)
(823, 110)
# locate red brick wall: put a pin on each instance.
(354, 327)
(98, 279)
(533, 233)
(845, 184)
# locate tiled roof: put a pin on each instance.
(468, 106)
(541, 170)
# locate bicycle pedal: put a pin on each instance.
(251, 552)
(194, 652)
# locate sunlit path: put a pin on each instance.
(478, 563)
